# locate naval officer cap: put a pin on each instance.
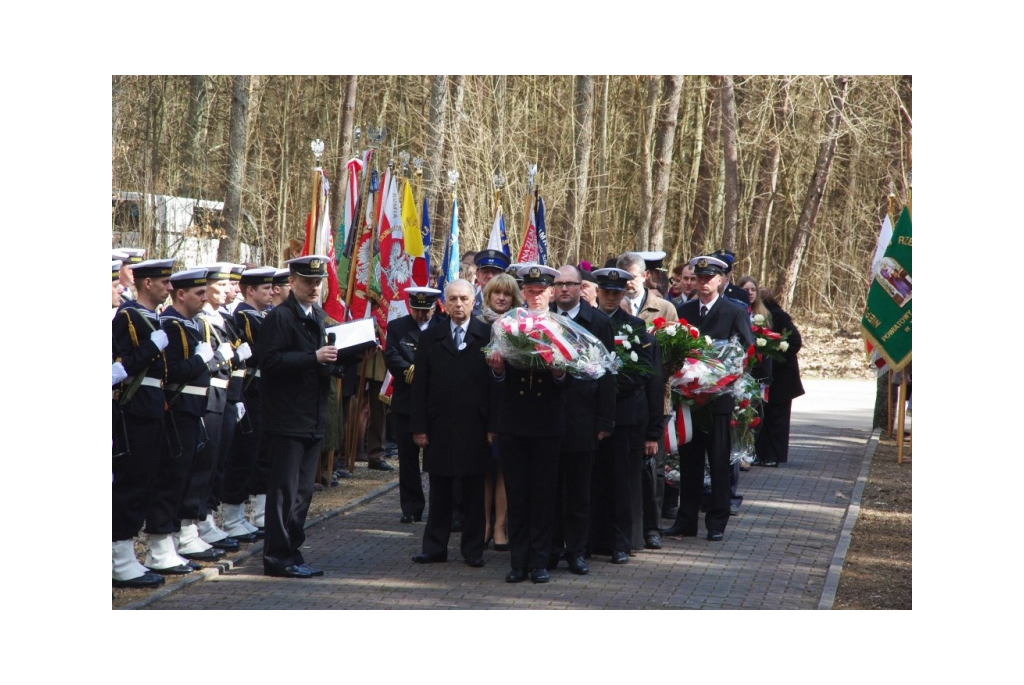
(422, 298)
(310, 266)
(653, 260)
(727, 256)
(281, 276)
(491, 259)
(259, 275)
(707, 265)
(134, 254)
(218, 272)
(115, 264)
(190, 278)
(537, 274)
(152, 268)
(236, 272)
(612, 279)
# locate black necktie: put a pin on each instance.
(565, 314)
(703, 311)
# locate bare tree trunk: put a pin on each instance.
(115, 117)
(602, 165)
(649, 112)
(282, 180)
(436, 128)
(583, 129)
(815, 193)
(668, 115)
(701, 215)
(768, 178)
(227, 250)
(347, 117)
(193, 154)
(732, 166)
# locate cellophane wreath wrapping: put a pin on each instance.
(746, 418)
(678, 341)
(540, 340)
(711, 373)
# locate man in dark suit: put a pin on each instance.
(589, 419)
(400, 357)
(450, 419)
(295, 371)
(721, 319)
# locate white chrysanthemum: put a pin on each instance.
(632, 355)
(761, 342)
(670, 331)
(707, 339)
(759, 319)
(627, 345)
(783, 345)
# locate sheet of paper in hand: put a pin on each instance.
(353, 336)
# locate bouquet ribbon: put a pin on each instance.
(537, 326)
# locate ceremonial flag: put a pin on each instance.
(888, 319)
(347, 230)
(542, 233)
(878, 362)
(498, 240)
(362, 258)
(373, 217)
(413, 237)
(395, 266)
(450, 264)
(529, 253)
(425, 233)
(319, 240)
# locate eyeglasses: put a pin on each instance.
(567, 284)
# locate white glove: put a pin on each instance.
(117, 373)
(158, 338)
(204, 350)
(244, 351)
(226, 350)
(241, 411)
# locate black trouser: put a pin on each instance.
(244, 450)
(410, 484)
(194, 503)
(228, 431)
(716, 446)
(773, 440)
(293, 464)
(572, 504)
(133, 476)
(653, 483)
(172, 474)
(611, 517)
(439, 521)
(530, 465)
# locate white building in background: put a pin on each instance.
(184, 227)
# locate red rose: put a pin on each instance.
(659, 322)
(744, 403)
(694, 333)
(734, 423)
(755, 422)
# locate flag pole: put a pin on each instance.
(888, 385)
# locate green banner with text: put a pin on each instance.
(887, 318)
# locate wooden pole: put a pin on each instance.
(888, 402)
(901, 413)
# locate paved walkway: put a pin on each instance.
(783, 551)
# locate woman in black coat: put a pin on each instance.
(773, 440)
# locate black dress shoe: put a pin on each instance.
(260, 533)
(619, 557)
(578, 566)
(716, 535)
(194, 566)
(475, 563)
(341, 474)
(381, 466)
(173, 570)
(516, 575)
(227, 544)
(430, 558)
(679, 532)
(146, 580)
(310, 570)
(245, 537)
(498, 547)
(539, 575)
(288, 572)
(212, 554)
(417, 517)
(406, 518)
(652, 541)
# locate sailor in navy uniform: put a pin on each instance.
(400, 355)
(139, 344)
(134, 256)
(186, 386)
(249, 461)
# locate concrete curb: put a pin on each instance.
(212, 571)
(828, 593)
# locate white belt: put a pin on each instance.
(190, 390)
(238, 373)
(147, 380)
(218, 383)
(257, 373)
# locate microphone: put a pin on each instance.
(331, 338)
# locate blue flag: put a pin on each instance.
(542, 233)
(425, 231)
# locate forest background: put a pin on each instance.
(793, 173)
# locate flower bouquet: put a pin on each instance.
(538, 340)
(626, 352)
(678, 341)
(767, 342)
(746, 418)
(710, 374)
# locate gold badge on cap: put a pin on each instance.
(314, 264)
(613, 276)
(534, 272)
(702, 263)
